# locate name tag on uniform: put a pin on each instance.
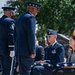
(54, 51)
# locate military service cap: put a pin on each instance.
(9, 8)
(51, 32)
(37, 5)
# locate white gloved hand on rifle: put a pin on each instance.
(12, 53)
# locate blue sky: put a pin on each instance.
(2, 2)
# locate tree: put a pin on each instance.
(57, 14)
(54, 14)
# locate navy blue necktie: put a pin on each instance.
(51, 46)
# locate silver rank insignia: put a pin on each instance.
(54, 51)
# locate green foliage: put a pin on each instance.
(54, 14)
(57, 14)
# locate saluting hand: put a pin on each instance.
(32, 55)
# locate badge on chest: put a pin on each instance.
(54, 51)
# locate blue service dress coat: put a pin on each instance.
(24, 34)
(6, 35)
(24, 40)
(6, 43)
(53, 55)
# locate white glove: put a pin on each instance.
(12, 53)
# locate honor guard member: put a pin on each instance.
(6, 39)
(54, 54)
(24, 37)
